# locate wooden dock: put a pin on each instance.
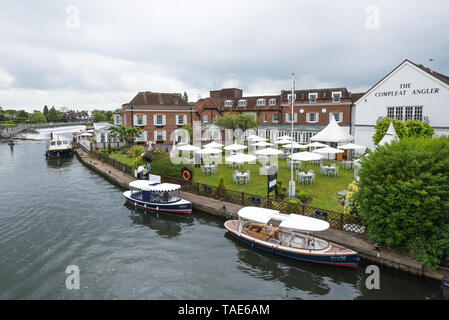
(385, 256)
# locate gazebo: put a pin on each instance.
(333, 134)
(389, 137)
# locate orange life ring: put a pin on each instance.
(186, 175)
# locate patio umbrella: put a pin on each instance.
(306, 156)
(235, 147)
(187, 147)
(209, 151)
(213, 144)
(328, 150)
(293, 145)
(315, 145)
(86, 134)
(254, 138)
(268, 152)
(285, 138)
(283, 141)
(241, 157)
(261, 144)
(352, 146)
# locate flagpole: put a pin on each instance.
(291, 186)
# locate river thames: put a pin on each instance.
(55, 213)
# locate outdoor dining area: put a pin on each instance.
(241, 177)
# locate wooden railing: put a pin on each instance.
(337, 220)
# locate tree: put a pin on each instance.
(99, 116)
(403, 197)
(52, 115)
(45, 111)
(409, 128)
(243, 121)
(131, 133)
(185, 97)
(38, 117)
(382, 127)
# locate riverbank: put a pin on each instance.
(385, 256)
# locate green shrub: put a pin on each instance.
(162, 165)
(282, 191)
(293, 206)
(137, 162)
(136, 151)
(220, 191)
(404, 197)
(303, 196)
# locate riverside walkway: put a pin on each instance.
(365, 248)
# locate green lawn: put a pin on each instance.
(323, 191)
(121, 157)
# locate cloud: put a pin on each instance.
(124, 47)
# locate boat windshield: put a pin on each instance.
(53, 143)
(65, 142)
(165, 196)
(59, 143)
(136, 193)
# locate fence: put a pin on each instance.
(337, 220)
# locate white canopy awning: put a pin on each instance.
(293, 145)
(332, 133)
(254, 138)
(261, 144)
(146, 185)
(187, 147)
(389, 137)
(328, 150)
(315, 145)
(351, 146)
(288, 221)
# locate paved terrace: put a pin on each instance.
(365, 248)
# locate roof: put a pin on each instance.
(439, 76)
(288, 221)
(332, 133)
(149, 98)
(357, 96)
(323, 94)
(145, 185)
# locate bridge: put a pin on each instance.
(11, 132)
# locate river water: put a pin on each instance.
(55, 213)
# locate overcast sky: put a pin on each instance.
(99, 54)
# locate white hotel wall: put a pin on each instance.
(435, 105)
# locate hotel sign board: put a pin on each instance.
(272, 183)
(406, 89)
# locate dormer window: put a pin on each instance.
(242, 103)
(313, 97)
(336, 96)
(229, 103)
(290, 97)
(272, 102)
(261, 102)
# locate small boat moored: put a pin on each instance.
(59, 147)
(289, 235)
(156, 196)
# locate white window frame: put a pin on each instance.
(288, 117)
(272, 102)
(141, 123)
(156, 122)
(265, 117)
(315, 95)
(290, 97)
(228, 103)
(317, 117)
(339, 96)
(163, 133)
(339, 116)
(205, 118)
(183, 117)
(261, 102)
(272, 118)
(242, 103)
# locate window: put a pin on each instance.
(390, 112)
(312, 117)
(291, 117)
(338, 116)
(159, 120)
(290, 97)
(214, 117)
(159, 135)
(180, 120)
(408, 113)
(139, 120)
(265, 117)
(336, 96)
(272, 102)
(275, 117)
(261, 102)
(399, 111)
(313, 97)
(229, 103)
(418, 113)
(242, 103)
(205, 119)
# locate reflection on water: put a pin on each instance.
(166, 224)
(59, 163)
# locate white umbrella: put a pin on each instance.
(262, 144)
(235, 147)
(306, 156)
(351, 146)
(315, 145)
(213, 144)
(268, 152)
(241, 157)
(293, 145)
(187, 147)
(328, 150)
(254, 138)
(283, 141)
(86, 134)
(209, 151)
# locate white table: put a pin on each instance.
(242, 176)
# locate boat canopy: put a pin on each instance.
(291, 221)
(146, 185)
